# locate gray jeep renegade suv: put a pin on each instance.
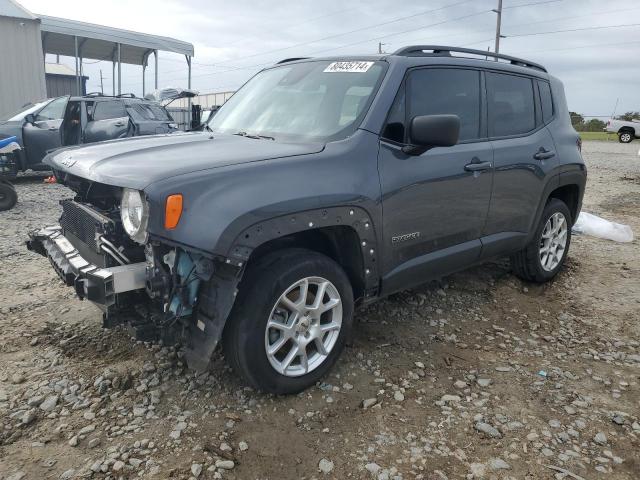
(321, 184)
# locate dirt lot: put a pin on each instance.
(477, 376)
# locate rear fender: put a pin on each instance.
(572, 175)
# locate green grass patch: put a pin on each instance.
(598, 136)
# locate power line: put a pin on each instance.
(530, 4)
(245, 67)
(573, 30)
(558, 19)
(302, 44)
(617, 44)
(255, 66)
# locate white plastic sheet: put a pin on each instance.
(589, 224)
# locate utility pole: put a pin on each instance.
(380, 44)
(101, 83)
(498, 11)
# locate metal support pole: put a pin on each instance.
(189, 87)
(144, 67)
(119, 72)
(498, 26)
(75, 43)
(44, 49)
(113, 78)
(155, 56)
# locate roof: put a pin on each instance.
(100, 43)
(9, 8)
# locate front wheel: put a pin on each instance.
(290, 322)
(625, 137)
(8, 196)
(543, 257)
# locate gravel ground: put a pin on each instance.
(477, 376)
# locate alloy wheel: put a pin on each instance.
(553, 241)
(303, 327)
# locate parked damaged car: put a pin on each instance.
(322, 184)
(65, 121)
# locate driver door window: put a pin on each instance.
(434, 91)
(53, 111)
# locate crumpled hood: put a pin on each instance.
(139, 161)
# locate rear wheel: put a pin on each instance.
(291, 319)
(625, 137)
(8, 196)
(544, 256)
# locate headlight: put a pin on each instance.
(134, 212)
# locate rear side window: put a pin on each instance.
(510, 104)
(149, 112)
(436, 91)
(546, 101)
(107, 110)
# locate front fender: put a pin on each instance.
(219, 205)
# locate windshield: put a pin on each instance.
(24, 111)
(319, 101)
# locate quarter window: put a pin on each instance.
(546, 101)
(394, 129)
(436, 91)
(107, 110)
(510, 104)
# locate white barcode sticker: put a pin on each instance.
(350, 67)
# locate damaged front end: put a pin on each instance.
(160, 291)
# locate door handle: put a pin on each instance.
(544, 154)
(53, 128)
(119, 124)
(476, 165)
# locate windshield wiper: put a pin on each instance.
(250, 135)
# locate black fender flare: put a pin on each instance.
(354, 217)
(573, 175)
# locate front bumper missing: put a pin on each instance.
(96, 284)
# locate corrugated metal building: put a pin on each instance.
(21, 81)
(26, 38)
(61, 80)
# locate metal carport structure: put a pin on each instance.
(81, 40)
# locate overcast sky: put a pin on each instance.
(597, 66)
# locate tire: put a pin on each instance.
(530, 263)
(625, 136)
(260, 303)
(8, 196)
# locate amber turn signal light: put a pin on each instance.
(172, 211)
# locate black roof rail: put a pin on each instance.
(440, 50)
(126, 95)
(292, 59)
(95, 94)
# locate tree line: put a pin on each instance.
(596, 125)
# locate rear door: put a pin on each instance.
(44, 133)
(524, 154)
(108, 120)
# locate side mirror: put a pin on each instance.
(429, 131)
(30, 118)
